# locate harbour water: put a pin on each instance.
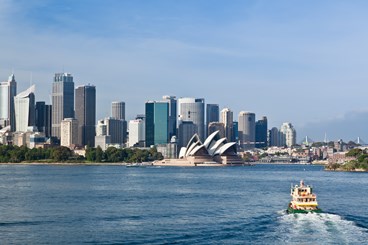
(161, 205)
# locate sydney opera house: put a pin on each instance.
(214, 151)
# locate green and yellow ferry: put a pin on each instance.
(303, 200)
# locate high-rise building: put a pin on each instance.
(247, 130)
(274, 137)
(186, 130)
(235, 137)
(172, 114)
(157, 123)
(43, 118)
(8, 90)
(287, 135)
(118, 110)
(114, 128)
(192, 110)
(24, 105)
(227, 119)
(261, 133)
(217, 126)
(62, 101)
(212, 114)
(69, 132)
(85, 113)
(136, 132)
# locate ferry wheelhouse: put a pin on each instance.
(303, 200)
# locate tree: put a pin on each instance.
(61, 153)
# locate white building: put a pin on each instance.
(287, 135)
(69, 132)
(8, 91)
(136, 132)
(24, 104)
(226, 117)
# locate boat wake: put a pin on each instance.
(313, 228)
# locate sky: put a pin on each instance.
(303, 62)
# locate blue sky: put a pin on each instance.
(298, 61)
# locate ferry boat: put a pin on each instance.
(303, 200)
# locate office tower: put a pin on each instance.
(43, 118)
(235, 137)
(157, 123)
(192, 110)
(8, 90)
(136, 132)
(212, 114)
(274, 137)
(69, 132)
(118, 110)
(247, 130)
(227, 119)
(186, 130)
(287, 135)
(85, 113)
(112, 127)
(24, 105)
(141, 116)
(261, 133)
(62, 101)
(172, 114)
(217, 126)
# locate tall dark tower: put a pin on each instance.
(62, 101)
(172, 114)
(212, 114)
(85, 113)
(261, 133)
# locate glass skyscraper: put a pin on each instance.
(157, 123)
(192, 110)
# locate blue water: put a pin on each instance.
(152, 205)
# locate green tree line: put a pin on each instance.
(16, 154)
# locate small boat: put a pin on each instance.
(303, 200)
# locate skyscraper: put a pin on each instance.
(227, 120)
(85, 113)
(43, 118)
(8, 90)
(247, 130)
(62, 100)
(172, 114)
(274, 137)
(287, 135)
(216, 126)
(192, 110)
(112, 127)
(118, 110)
(235, 137)
(261, 133)
(212, 114)
(24, 104)
(157, 123)
(186, 131)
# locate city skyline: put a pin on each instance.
(303, 67)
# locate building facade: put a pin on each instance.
(274, 137)
(24, 105)
(62, 101)
(186, 131)
(287, 135)
(227, 119)
(118, 110)
(157, 123)
(136, 132)
(172, 114)
(114, 128)
(192, 110)
(69, 132)
(8, 90)
(217, 126)
(85, 113)
(43, 118)
(247, 130)
(261, 133)
(212, 114)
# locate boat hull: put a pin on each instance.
(302, 211)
